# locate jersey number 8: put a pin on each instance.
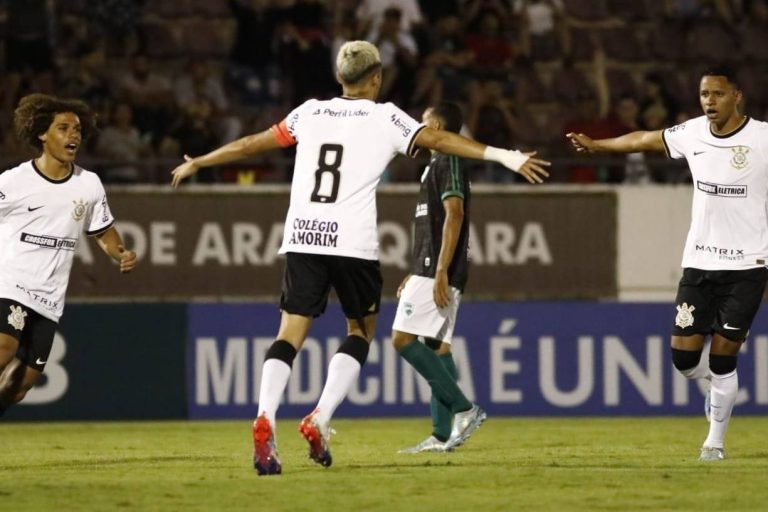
(328, 168)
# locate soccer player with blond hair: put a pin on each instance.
(343, 146)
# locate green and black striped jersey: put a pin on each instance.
(442, 178)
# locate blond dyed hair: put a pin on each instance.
(356, 60)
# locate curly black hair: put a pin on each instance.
(36, 112)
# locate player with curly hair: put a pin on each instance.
(45, 204)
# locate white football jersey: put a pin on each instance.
(40, 225)
(729, 216)
(343, 147)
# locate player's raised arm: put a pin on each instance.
(532, 169)
(236, 150)
(633, 142)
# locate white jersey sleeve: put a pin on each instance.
(288, 130)
(6, 193)
(99, 216)
(678, 139)
(401, 128)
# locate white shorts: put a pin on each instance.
(418, 314)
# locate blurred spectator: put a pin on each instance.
(303, 49)
(493, 56)
(29, 55)
(433, 10)
(192, 134)
(625, 118)
(115, 22)
(198, 82)
(545, 33)
(121, 141)
(370, 14)
(88, 77)
(398, 52)
(490, 120)
(150, 95)
(657, 98)
(253, 61)
(443, 72)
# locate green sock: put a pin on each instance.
(442, 417)
(429, 366)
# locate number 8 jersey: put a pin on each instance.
(343, 148)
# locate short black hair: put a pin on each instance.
(450, 116)
(722, 70)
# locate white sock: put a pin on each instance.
(724, 390)
(701, 370)
(343, 371)
(274, 378)
(697, 372)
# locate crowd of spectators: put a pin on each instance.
(184, 76)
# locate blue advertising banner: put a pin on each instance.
(565, 358)
(112, 362)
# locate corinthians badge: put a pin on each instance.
(684, 316)
(16, 318)
(79, 212)
(739, 159)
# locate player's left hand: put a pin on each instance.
(127, 260)
(185, 170)
(440, 292)
(534, 169)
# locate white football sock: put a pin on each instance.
(274, 378)
(724, 390)
(697, 372)
(701, 370)
(343, 371)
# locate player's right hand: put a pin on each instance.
(127, 259)
(581, 143)
(185, 170)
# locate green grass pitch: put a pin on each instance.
(509, 464)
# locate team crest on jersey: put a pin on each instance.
(739, 159)
(408, 308)
(684, 316)
(79, 212)
(16, 318)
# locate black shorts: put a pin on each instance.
(308, 279)
(721, 301)
(33, 331)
